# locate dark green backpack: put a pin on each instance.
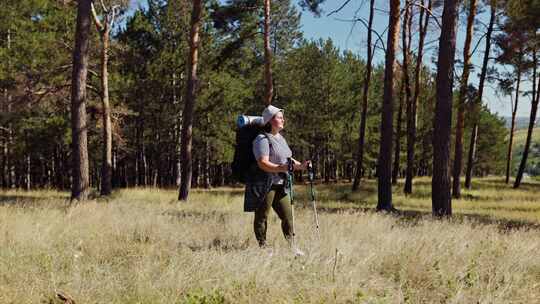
(244, 160)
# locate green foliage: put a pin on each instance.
(319, 86)
(525, 12)
(492, 144)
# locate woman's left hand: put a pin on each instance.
(304, 165)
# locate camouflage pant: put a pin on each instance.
(279, 200)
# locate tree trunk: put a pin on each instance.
(155, 177)
(5, 161)
(115, 179)
(28, 173)
(267, 55)
(4, 167)
(412, 116)
(512, 128)
(397, 139)
(58, 169)
(406, 85)
(206, 165)
(221, 179)
(384, 171)
(460, 122)
(6, 107)
(335, 168)
(441, 198)
(178, 153)
(141, 167)
(532, 121)
(157, 162)
(81, 184)
(478, 102)
(365, 98)
(106, 166)
(326, 163)
(125, 179)
(191, 88)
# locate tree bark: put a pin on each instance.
(412, 117)
(478, 102)
(106, 186)
(365, 98)
(384, 171)
(191, 89)
(441, 198)
(178, 161)
(4, 159)
(141, 166)
(460, 121)
(106, 166)
(512, 127)
(6, 140)
(397, 139)
(221, 174)
(532, 122)
(81, 184)
(267, 55)
(206, 165)
(28, 169)
(178, 143)
(406, 85)
(326, 163)
(115, 175)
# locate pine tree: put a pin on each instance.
(460, 120)
(440, 192)
(384, 169)
(80, 170)
(191, 95)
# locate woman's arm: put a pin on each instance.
(266, 165)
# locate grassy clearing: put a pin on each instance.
(489, 201)
(520, 136)
(142, 246)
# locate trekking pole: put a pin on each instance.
(290, 169)
(312, 194)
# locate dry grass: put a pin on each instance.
(490, 200)
(520, 136)
(142, 246)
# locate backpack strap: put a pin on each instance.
(268, 138)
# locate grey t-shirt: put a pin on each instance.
(277, 150)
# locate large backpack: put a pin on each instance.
(244, 160)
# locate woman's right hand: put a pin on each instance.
(266, 165)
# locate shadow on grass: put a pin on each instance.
(218, 244)
(481, 184)
(494, 184)
(504, 225)
(28, 200)
(225, 192)
(415, 217)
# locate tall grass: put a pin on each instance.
(142, 246)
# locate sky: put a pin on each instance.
(349, 36)
(345, 35)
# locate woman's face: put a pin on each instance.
(278, 121)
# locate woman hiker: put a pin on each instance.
(270, 189)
